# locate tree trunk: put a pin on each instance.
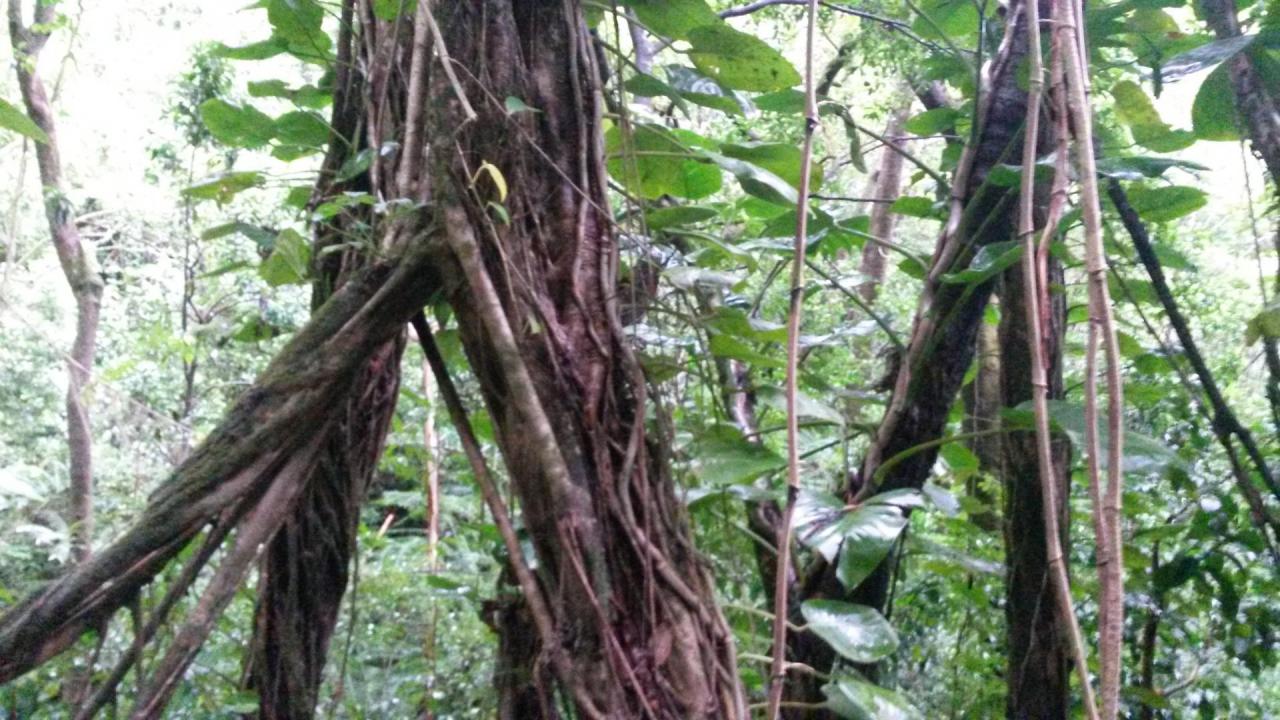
(634, 612)
(943, 339)
(303, 574)
(1038, 656)
(883, 188)
(983, 400)
(78, 266)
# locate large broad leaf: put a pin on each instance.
(651, 162)
(932, 122)
(296, 21)
(289, 262)
(817, 518)
(823, 522)
(739, 60)
(1161, 204)
(11, 118)
(224, 187)
(807, 408)
(914, 206)
(260, 50)
(1142, 453)
(853, 698)
(644, 85)
(953, 18)
(869, 534)
(989, 261)
(237, 126)
(674, 18)
(302, 128)
(857, 632)
(1136, 110)
(757, 181)
(662, 218)
(781, 159)
(1211, 53)
(1213, 114)
(724, 457)
(1139, 167)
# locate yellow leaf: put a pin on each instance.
(499, 181)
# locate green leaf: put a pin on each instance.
(781, 159)
(224, 187)
(932, 122)
(245, 127)
(856, 632)
(789, 102)
(515, 105)
(1211, 53)
(1142, 453)
(1136, 110)
(649, 86)
(989, 261)
(11, 118)
(853, 698)
(391, 9)
(740, 60)
(1161, 204)
(652, 162)
(308, 96)
(678, 215)
(260, 50)
(674, 19)
(302, 128)
(725, 346)
(757, 181)
(646, 85)
(808, 409)
(296, 21)
(723, 457)
(960, 459)
(822, 521)
(955, 19)
(290, 260)
(1213, 114)
(1139, 167)
(913, 206)
(1265, 324)
(869, 533)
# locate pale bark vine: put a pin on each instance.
(76, 257)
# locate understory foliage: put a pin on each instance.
(442, 359)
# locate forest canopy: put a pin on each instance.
(543, 359)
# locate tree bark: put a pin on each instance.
(79, 267)
(1038, 655)
(884, 187)
(304, 571)
(983, 400)
(633, 606)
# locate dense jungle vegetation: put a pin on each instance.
(549, 359)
